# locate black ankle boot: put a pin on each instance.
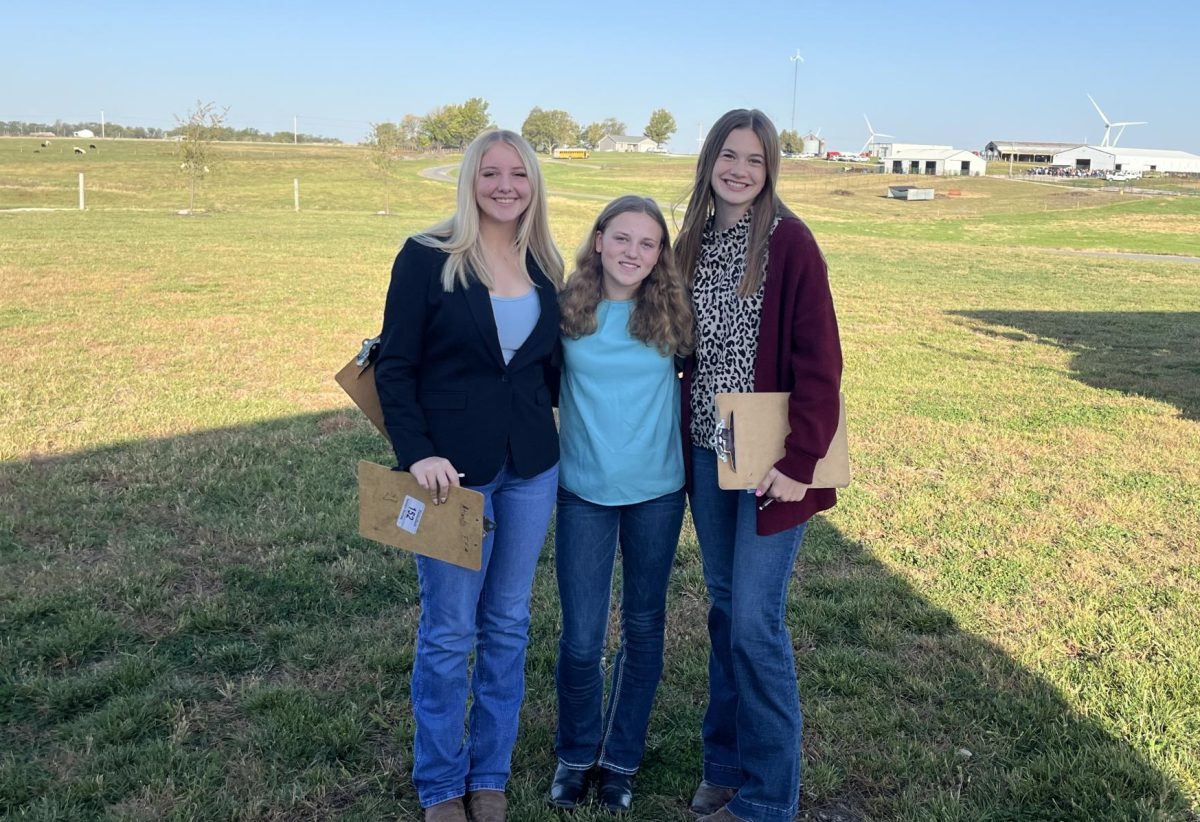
(616, 791)
(570, 787)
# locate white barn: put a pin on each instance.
(624, 142)
(1119, 158)
(941, 161)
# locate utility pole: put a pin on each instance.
(295, 130)
(796, 61)
(101, 124)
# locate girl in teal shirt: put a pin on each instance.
(625, 316)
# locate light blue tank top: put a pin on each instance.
(618, 415)
(515, 320)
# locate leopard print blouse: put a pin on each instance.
(726, 324)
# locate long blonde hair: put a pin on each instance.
(662, 312)
(458, 235)
(765, 208)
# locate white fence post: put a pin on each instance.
(81, 191)
(296, 191)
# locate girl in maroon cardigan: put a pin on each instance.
(764, 322)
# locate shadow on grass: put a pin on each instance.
(1148, 353)
(190, 629)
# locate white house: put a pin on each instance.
(1119, 158)
(905, 158)
(623, 142)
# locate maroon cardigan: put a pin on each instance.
(798, 351)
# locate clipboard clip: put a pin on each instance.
(367, 352)
(723, 442)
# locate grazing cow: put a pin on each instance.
(79, 150)
(91, 145)
(45, 144)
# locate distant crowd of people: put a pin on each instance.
(1064, 171)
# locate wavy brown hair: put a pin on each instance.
(662, 312)
(765, 208)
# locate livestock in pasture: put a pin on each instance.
(79, 150)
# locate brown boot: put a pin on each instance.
(486, 806)
(451, 810)
(710, 798)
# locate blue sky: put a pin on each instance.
(931, 72)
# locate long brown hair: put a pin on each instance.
(662, 312)
(765, 208)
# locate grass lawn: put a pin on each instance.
(999, 621)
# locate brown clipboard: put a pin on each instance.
(395, 510)
(751, 429)
(357, 378)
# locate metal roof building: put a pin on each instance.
(904, 158)
(1119, 158)
(1023, 151)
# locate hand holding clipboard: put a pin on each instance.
(751, 429)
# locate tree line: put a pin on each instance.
(452, 127)
(20, 128)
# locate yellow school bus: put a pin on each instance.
(568, 153)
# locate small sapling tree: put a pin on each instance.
(196, 134)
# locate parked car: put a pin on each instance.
(1123, 176)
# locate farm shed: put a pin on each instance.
(941, 161)
(812, 144)
(909, 193)
(1119, 158)
(1024, 151)
(623, 142)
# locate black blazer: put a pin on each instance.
(441, 377)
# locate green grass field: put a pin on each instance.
(999, 621)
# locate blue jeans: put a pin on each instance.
(752, 726)
(587, 536)
(486, 611)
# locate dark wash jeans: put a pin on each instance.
(752, 726)
(587, 537)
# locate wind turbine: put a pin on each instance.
(1108, 127)
(871, 140)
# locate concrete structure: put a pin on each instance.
(1119, 158)
(909, 193)
(1020, 151)
(624, 142)
(942, 161)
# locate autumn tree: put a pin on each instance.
(661, 126)
(436, 127)
(467, 120)
(790, 141)
(198, 131)
(546, 129)
(410, 132)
